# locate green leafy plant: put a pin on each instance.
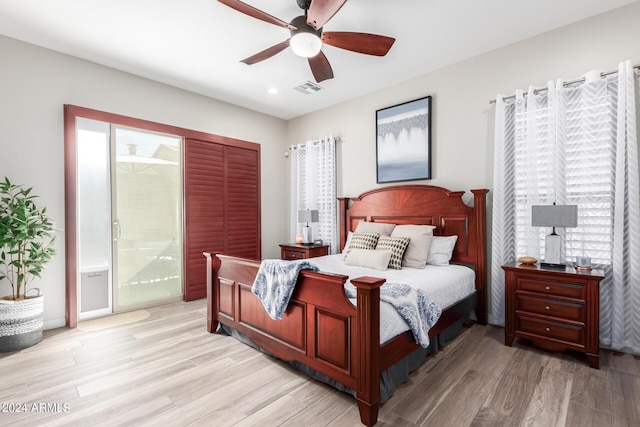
(27, 236)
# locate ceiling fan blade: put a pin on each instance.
(320, 67)
(321, 11)
(267, 53)
(369, 44)
(256, 13)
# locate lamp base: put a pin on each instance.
(307, 238)
(552, 249)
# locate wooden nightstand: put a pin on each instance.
(293, 251)
(555, 309)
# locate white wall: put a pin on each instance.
(462, 118)
(34, 85)
(462, 133)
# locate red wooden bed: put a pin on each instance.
(321, 328)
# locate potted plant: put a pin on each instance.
(27, 236)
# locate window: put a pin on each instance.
(566, 158)
(573, 143)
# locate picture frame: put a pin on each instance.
(403, 141)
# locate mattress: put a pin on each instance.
(445, 285)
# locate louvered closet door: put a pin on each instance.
(242, 198)
(222, 207)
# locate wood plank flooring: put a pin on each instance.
(166, 370)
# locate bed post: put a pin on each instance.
(480, 212)
(343, 205)
(213, 264)
(368, 348)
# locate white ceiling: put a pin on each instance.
(197, 44)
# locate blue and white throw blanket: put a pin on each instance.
(414, 305)
(275, 282)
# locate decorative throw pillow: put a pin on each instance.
(370, 258)
(362, 241)
(397, 245)
(380, 228)
(441, 250)
(418, 250)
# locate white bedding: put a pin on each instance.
(446, 285)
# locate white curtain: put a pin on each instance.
(573, 143)
(313, 186)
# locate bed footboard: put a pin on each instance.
(320, 329)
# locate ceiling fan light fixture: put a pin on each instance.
(306, 45)
(305, 41)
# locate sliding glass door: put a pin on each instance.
(129, 218)
(147, 218)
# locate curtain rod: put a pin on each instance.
(335, 139)
(582, 80)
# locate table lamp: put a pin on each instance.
(554, 216)
(306, 216)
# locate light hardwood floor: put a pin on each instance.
(167, 370)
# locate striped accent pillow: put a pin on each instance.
(398, 246)
(418, 249)
(362, 241)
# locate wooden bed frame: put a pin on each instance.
(321, 328)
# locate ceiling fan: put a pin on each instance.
(307, 36)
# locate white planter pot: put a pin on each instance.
(20, 323)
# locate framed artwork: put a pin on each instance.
(403, 141)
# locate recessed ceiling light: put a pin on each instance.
(273, 90)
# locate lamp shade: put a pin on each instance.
(554, 216)
(308, 216)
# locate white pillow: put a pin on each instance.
(418, 250)
(370, 258)
(381, 228)
(441, 250)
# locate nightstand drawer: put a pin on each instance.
(549, 307)
(292, 255)
(570, 290)
(295, 251)
(574, 334)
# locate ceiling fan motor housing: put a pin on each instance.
(300, 22)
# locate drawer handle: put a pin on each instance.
(546, 307)
(548, 329)
(547, 288)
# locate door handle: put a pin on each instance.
(117, 230)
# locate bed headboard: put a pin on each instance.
(428, 205)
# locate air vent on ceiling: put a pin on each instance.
(308, 88)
